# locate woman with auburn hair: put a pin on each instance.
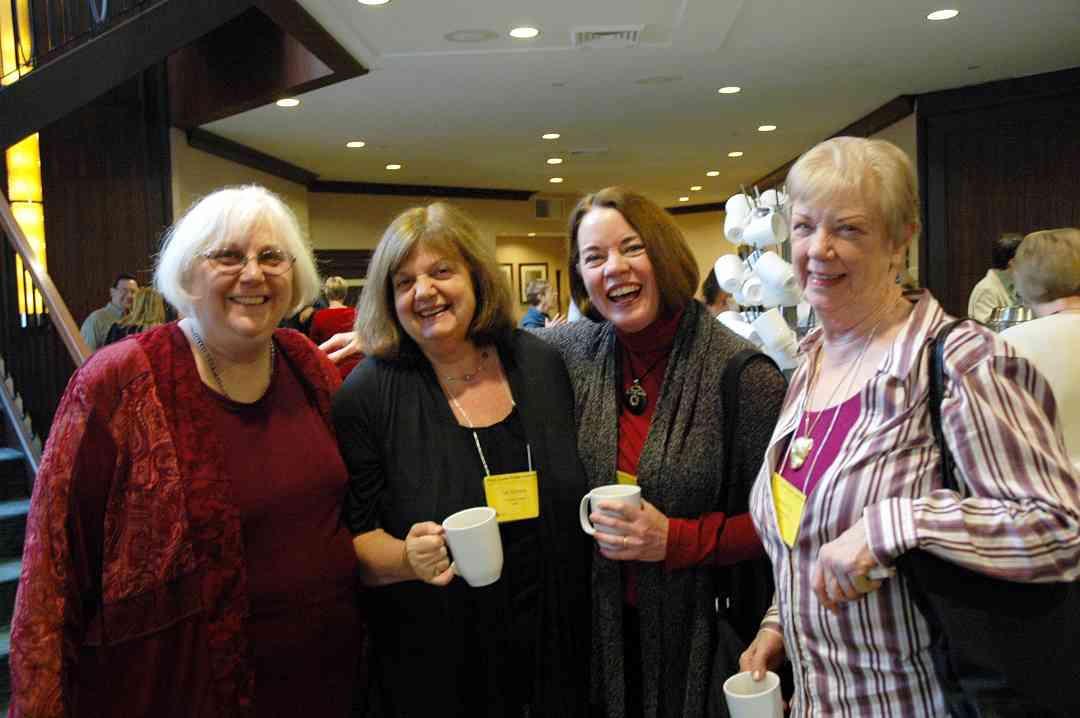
(184, 549)
(647, 376)
(450, 396)
(1047, 273)
(852, 478)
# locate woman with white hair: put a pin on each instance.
(1047, 273)
(852, 477)
(184, 550)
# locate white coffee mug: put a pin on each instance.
(766, 228)
(737, 207)
(773, 329)
(475, 545)
(751, 291)
(734, 226)
(776, 272)
(747, 698)
(729, 270)
(620, 493)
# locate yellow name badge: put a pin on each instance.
(621, 477)
(513, 496)
(789, 503)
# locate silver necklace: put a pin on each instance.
(801, 446)
(470, 376)
(213, 366)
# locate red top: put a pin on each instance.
(335, 320)
(691, 542)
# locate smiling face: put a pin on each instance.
(616, 270)
(843, 256)
(123, 293)
(434, 299)
(240, 311)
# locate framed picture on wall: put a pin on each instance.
(507, 271)
(530, 273)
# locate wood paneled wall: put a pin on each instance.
(105, 175)
(1001, 157)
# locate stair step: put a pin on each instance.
(9, 571)
(13, 528)
(19, 507)
(9, 454)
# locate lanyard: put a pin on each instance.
(476, 439)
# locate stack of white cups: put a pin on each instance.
(777, 338)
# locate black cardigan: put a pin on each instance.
(409, 462)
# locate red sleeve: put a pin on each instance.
(713, 538)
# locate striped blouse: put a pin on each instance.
(1019, 517)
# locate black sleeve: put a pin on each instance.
(356, 421)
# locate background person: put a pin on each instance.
(96, 326)
(655, 632)
(715, 299)
(147, 311)
(996, 289)
(1047, 272)
(337, 317)
(184, 550)
(449, 394)
(540, 296)
(852, 476)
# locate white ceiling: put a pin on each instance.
(471, 114)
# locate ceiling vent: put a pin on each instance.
(607, 37)
(547, 208)
(587, 151)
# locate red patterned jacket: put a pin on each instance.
(131, 533)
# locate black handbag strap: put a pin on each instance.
(729, 392)
(937, 395)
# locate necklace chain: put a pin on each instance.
(801, 446)
(472, 375)
(213, 365)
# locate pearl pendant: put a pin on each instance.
(801, 447)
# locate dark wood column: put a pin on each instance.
(994, 158)
(106, 183)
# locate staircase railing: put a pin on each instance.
(39, 340)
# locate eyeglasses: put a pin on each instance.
(272, 262)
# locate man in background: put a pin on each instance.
(540, 296)
(996, 288)
(96, 326)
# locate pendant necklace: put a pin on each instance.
(201, 346)
(801, 446)
(637, 399)
(469, 377)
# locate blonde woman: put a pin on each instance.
(147, 310)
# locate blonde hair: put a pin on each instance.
(879, 172)
(1047, 265)
(147, 309)
(219, 217)
(335, 289)
(672, 261)
(443, 229)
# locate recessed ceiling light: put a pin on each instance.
(471, 35)
(524, 32)
(393, 167)
(729, 90)
(554, 160)
(555, 180)
(550, 136)
(288, 102)
(766, 128)
(712, 173)
(695, 188)
(736, 153)
(374, 2)
(943, 15)
(355, 144)
(684, 199)
(532, 234)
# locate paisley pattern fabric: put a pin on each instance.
(132, 531)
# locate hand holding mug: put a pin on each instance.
(426, 555)
(627, 528)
